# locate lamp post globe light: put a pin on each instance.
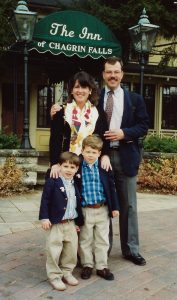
(23, 22)
(143, 36)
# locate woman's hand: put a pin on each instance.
(55, 107)
(105, 163)
(55, 171)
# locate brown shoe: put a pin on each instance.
(86, 272)
(105, 273)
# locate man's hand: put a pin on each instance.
(56, 107)
(55, 171)
(46, 224)
(105, 163)
(114, 135)
(115, 213)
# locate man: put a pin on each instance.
(126, 124)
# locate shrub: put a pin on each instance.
(158, 174)
(9, 141)
(11, 178)
(157, 144)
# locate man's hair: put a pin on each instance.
(70, 157)
(112, 61)
(93, 141)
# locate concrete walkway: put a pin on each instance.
(22, 255)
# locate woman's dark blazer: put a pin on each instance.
(54, 202)
(60, 134)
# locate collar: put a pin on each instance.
(117, 90)
(95, 164)
(67, 181)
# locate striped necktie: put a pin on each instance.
(109, 106)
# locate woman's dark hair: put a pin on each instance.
(85, 80)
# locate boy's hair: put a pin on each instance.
(71, 157)
(93, 141)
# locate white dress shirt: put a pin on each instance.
(118, 107)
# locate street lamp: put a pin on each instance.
(143, 36)
(23, 22)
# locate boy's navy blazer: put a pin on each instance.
(135, 123)
(54, 202)
(107, 179)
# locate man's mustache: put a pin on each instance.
(112, 78)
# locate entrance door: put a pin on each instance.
(12, 115)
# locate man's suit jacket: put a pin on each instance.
(54, 202)
(135, 123)
(107, 179)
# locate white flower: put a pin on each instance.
(62, 189)
(78, 175)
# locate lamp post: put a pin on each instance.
(23, 22)
(143, 36)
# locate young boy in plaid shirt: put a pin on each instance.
(99, 203)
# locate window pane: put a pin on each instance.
(169, 107)
(149, 98)
(44, 103)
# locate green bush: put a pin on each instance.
(157, 144)
(9, 141)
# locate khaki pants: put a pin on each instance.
(61, 247)
(94, 237)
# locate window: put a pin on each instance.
(169, 107)
(44, 103)
(149, 98)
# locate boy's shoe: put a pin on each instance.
(105, 273)
(58, 284)
(70, 279)
(86, 272)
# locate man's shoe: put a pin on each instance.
(86, 272)
(70, 279)
(137, 259)
(105, 273)
(58, 284)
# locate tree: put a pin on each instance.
(6, 34)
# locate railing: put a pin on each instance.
(164, 133)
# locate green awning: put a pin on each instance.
(74, 32)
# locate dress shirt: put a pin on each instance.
(70, 212)
(118, 106)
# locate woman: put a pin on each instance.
(76, 120)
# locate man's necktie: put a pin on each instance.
(109, 106)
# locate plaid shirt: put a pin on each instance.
(92, 188)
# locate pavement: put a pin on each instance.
(22, 255)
